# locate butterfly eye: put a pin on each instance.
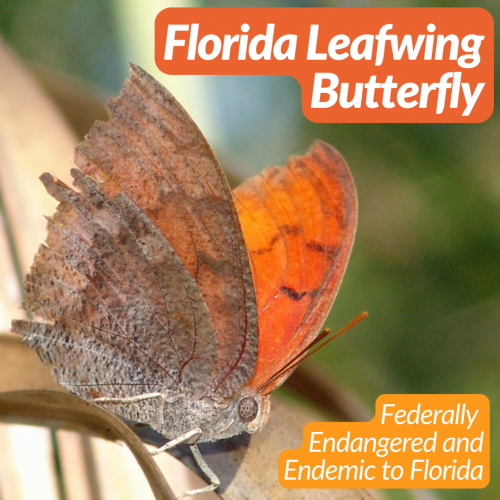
(248, 409)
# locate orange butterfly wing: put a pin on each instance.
(298, 222)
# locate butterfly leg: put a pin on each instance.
(190, 435)
(130, 399)
(214, 480)
(187, 436)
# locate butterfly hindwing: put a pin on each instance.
(122, 314)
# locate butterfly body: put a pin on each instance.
(216, 417)
(162, 296)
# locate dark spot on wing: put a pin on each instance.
(291, 229)
(284, 230)
(293, 294)
(330, 250)
(260, 251)
(315, 247)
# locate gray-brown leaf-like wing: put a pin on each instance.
(121, 315)
(153, 152)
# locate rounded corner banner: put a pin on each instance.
(414, 441)
(357, 65)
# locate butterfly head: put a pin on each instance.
(253, 411)
(244, 412)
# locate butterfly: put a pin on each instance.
(166, 298)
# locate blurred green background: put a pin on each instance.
(426, 263)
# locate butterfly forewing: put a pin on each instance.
(153, 152)
(299, 223)
(145, 276)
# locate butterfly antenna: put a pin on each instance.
(306, 352)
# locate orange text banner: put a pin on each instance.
(414, 441)
(353, 64)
